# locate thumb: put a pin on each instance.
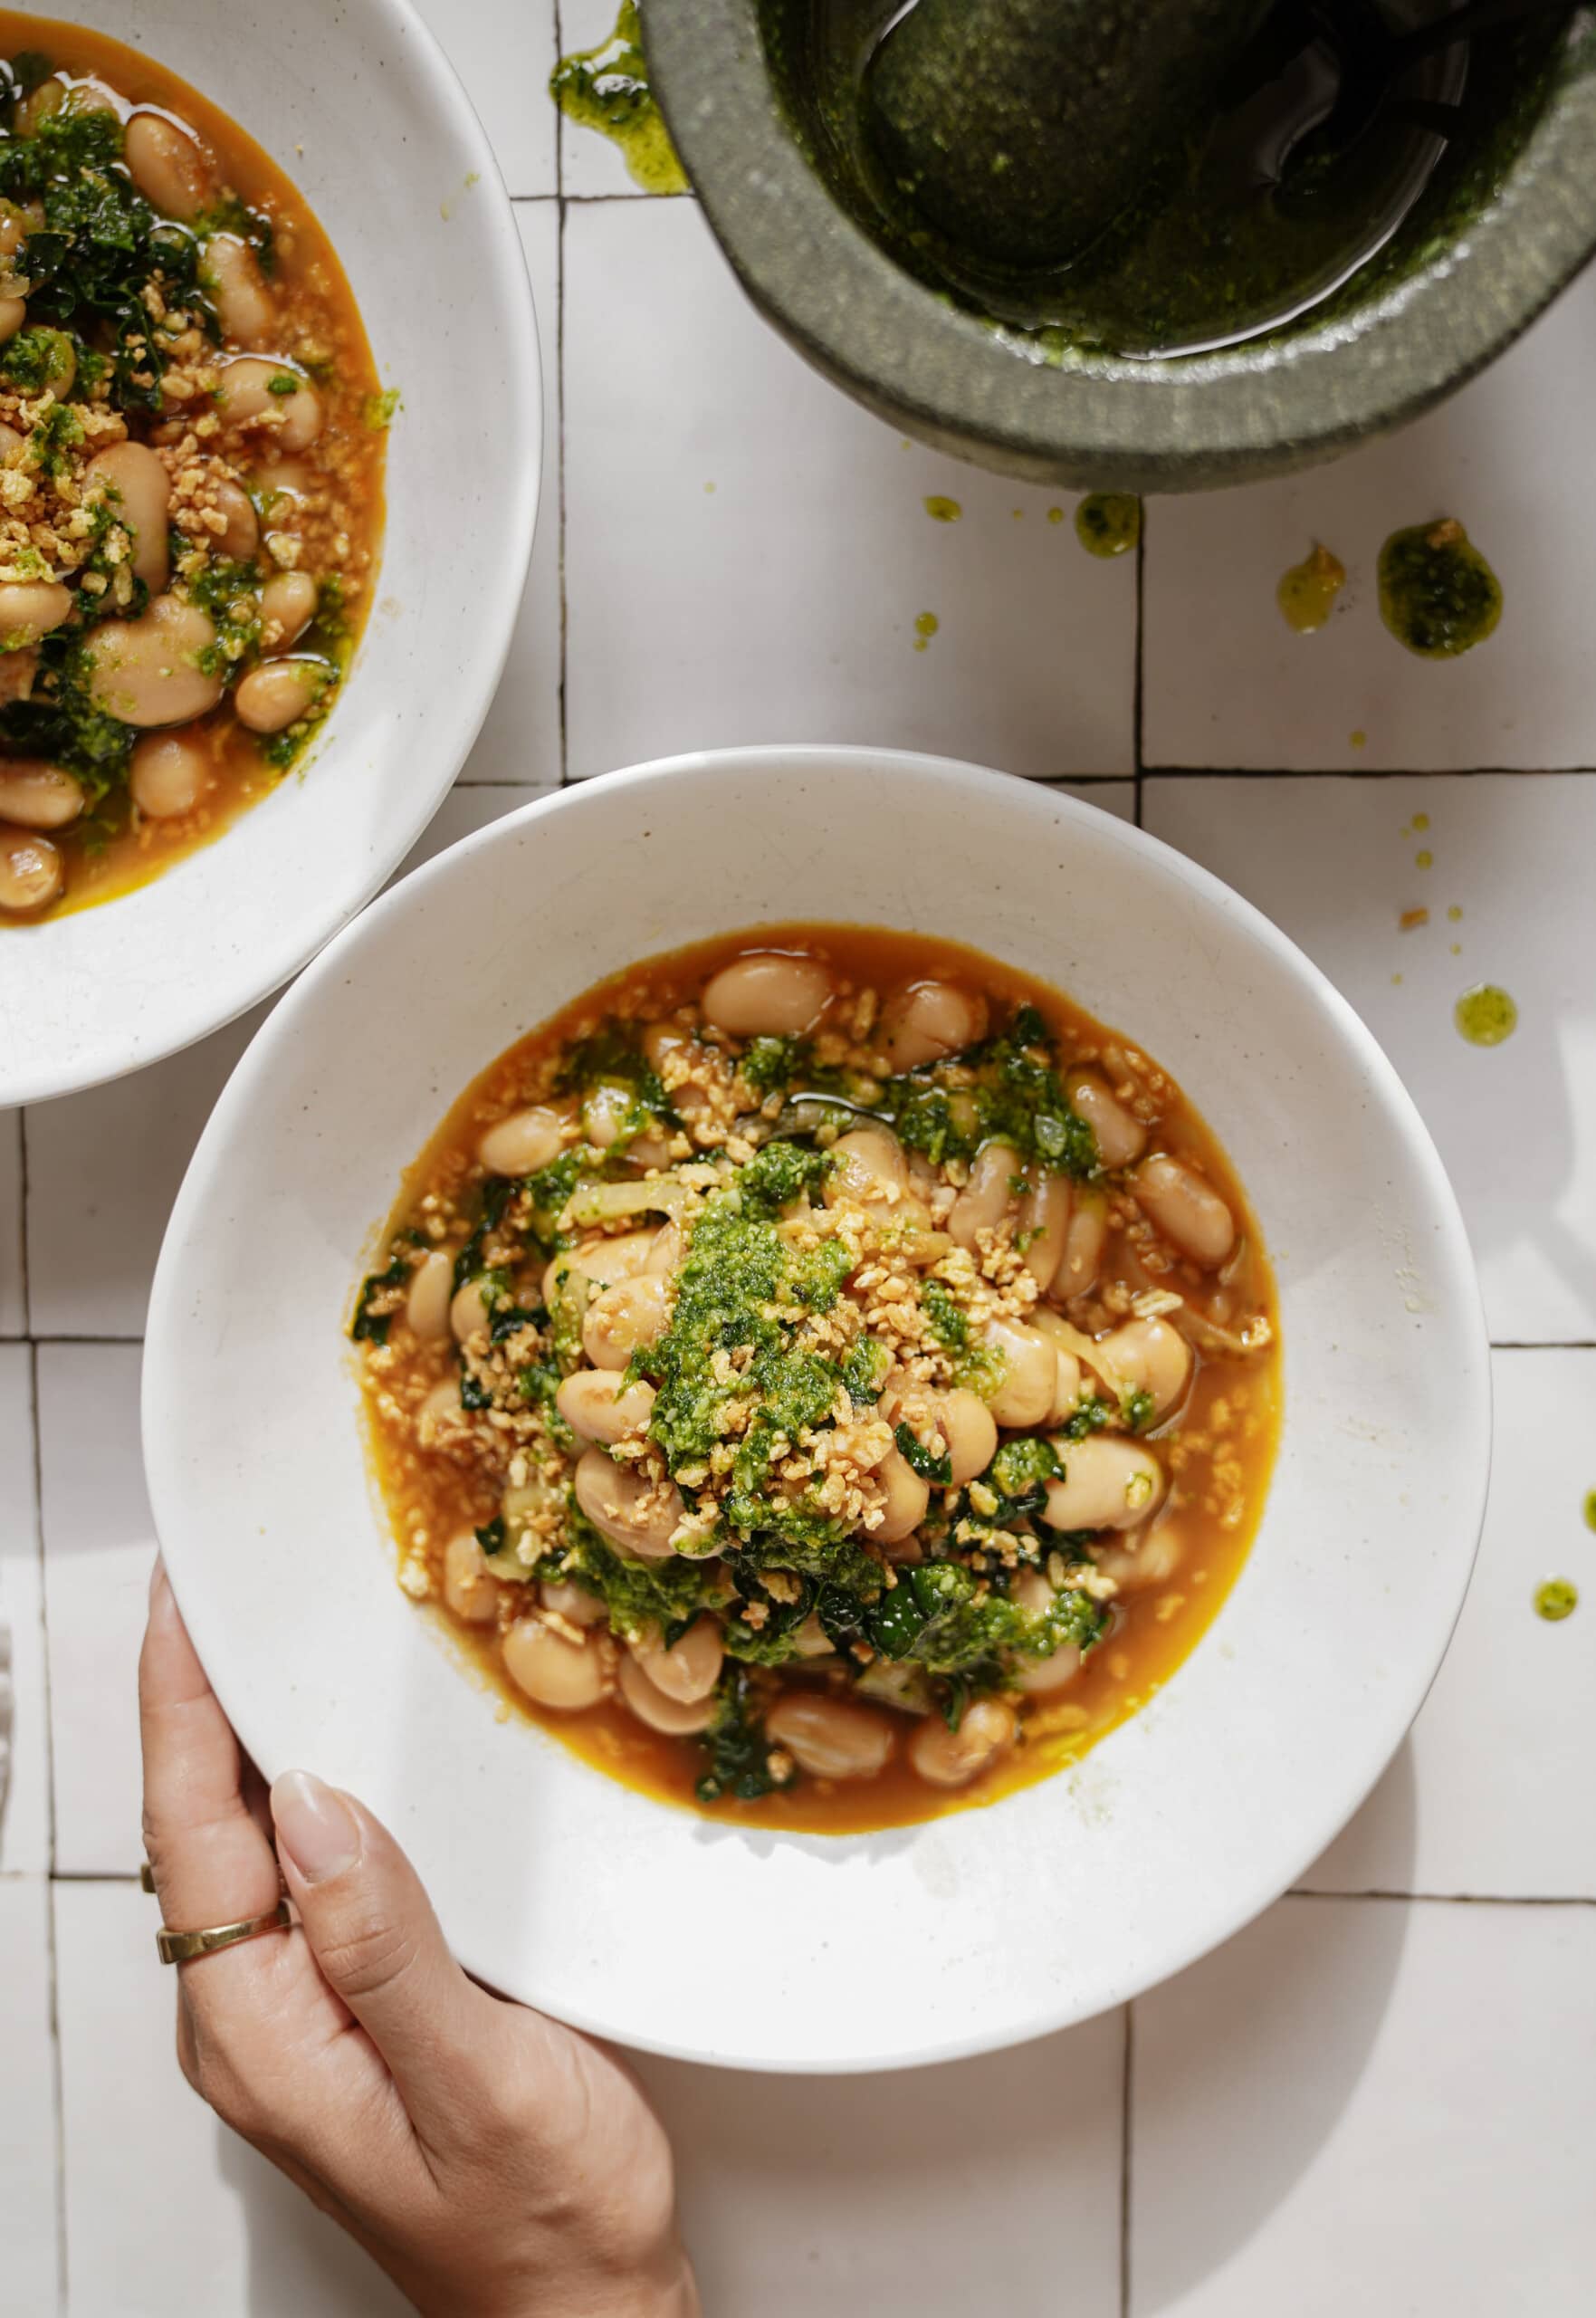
(377, 1942)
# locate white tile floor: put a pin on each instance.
(1374, 2101)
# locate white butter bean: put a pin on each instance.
(140, 493)
(276, 695)
(636, 1514)
(970, 1432)
(468, 1312)
(1121, 1135)
(927, 1020)
(572, 1602)
(988, 1196)
(288, 606)
(552, 1670)
(830, 1737)
(30, 609)
(907, 1497)
(38, 796)
(1153, 1357)
(1084, 1245)
(633, 1312)
(768, 995)
(242, 539)
(1031, 1372)
(249, 394)
(868, 1168)
(147, 670)
(690, 1669)
(426, 1305)
(1150, 1559)
(945, 1758)
(1109, 1483)
(524, 1142)
(168, 774)
(675, 1718)
(597, 1406)
(30, 870)
(244, 306)
(1188, 1211)
(468, 1588)
(169, 167)
(1044, 1225)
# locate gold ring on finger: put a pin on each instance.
(182, 1946)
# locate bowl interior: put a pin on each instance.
(360, 109)
(808, 1952)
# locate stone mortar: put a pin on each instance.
(1449, 293)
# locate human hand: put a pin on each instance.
(495, 2163)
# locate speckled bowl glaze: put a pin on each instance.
(1459, 281)
(358, 105)
(810, 1952)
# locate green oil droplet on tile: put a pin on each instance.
(709, 488)
(1591, 1508)
(942, 511)
(1056, 514)
(1308, 592)
(1454, 912)
(1438, 594)
(606, 88)
(925, 627)
(1358, 740)
(1421, 822)
(1485, 1015)
(1457, 949)
(1425, 860)
(1108, 522)
(1395, 980)
(1557, 1599)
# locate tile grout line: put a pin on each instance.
(1127, 2082)
(1366, 772)
(53, 1960)
(21, 1222)
(1139, 688)
(560, 198)
(565, 773)
(1449, 1898)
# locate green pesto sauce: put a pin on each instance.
(1438, 594)
(925, 627)
(1557, 1599)
(1308, 592)
(943, 510)
(1485, 1015)
(1108, 522)
(606, 88)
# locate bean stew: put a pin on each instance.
(823, 1375)
(191, 465)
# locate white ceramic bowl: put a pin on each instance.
(358, 107)
(807, 1952)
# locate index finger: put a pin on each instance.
(211, 1862)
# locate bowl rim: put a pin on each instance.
(212, 1000)
(1382, 1734)
(1106, 421)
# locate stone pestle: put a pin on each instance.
(1020, 129)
